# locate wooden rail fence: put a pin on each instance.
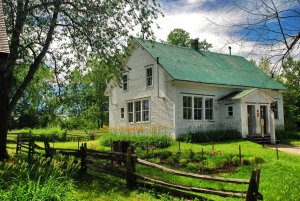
(123, 165)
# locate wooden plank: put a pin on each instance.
(109, 170)
(192, 175)
(222, 193)
(172, 192)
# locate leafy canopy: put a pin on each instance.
(182, 38)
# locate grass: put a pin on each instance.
(279, 178)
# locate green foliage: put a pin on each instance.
(265, 65)
(284, 135)
(182, 38)
(211, 136)
(139, 141)
(179, 37)
(44, 179)
(291, 97)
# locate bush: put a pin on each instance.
(235, 160)
(164, 155)
(43, 179)
(141, 141)
(211, 136)
(282, 135)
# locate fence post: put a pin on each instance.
(17, 148)
(83, 154)
(30, 148)
(252, 193)
(130, 169)
(240, 154)
(277, 154)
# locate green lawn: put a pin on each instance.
(280, 179)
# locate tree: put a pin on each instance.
(273, 25)
(179, 37)
(265, 65)
(64, 34)
(291, 75)
(182, 38)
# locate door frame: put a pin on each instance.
(251, 115)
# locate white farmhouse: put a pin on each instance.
(186, 89)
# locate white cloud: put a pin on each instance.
(211, 24)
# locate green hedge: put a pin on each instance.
(211, 136)
(282, 134)
(139, 141)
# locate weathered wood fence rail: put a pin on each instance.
(123, 165)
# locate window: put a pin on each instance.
(130, 112)
(197, 108)
(138, 111)
(122, 113)
(149, 77)
(229, 111)
(125, 82)
(138, 117)
(187, 107)
(275, 109)
(145, 110)
(208, 109)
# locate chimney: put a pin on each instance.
(195, 44)
(229, 50)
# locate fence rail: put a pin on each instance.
(123, 165)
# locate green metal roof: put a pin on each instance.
(187, 64)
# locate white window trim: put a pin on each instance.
(203, 109)
(134, 114)
(146, 68)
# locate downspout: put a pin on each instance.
(157, 75)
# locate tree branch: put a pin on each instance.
(34, 66)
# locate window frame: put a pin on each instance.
(130, 112)
(122, 113)
(149, 77)
(228, 111)
(125, 83)
(203, 109)
(139, 110)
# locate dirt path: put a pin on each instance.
(287, 148)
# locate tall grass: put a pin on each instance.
(43, 179)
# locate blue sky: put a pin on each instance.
(212, 20)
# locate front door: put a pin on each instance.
(263, 118)
(251, 119)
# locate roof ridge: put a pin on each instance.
(188, 48)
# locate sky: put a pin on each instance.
(213, 20)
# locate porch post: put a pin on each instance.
(272, 127)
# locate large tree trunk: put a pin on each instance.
(5, 78)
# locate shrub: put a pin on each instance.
(193, 166)
(211, 136)
(282, 134)
(141, 141)
(235, 160)
(164, 155)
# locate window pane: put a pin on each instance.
(149, 77)
(145, 115)
(197, 108)
(230, 111)
(209, 109)
(122, 113)
(145, 108)
(137, 105)
(130, 112)
(124, 80)
(187, 101)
